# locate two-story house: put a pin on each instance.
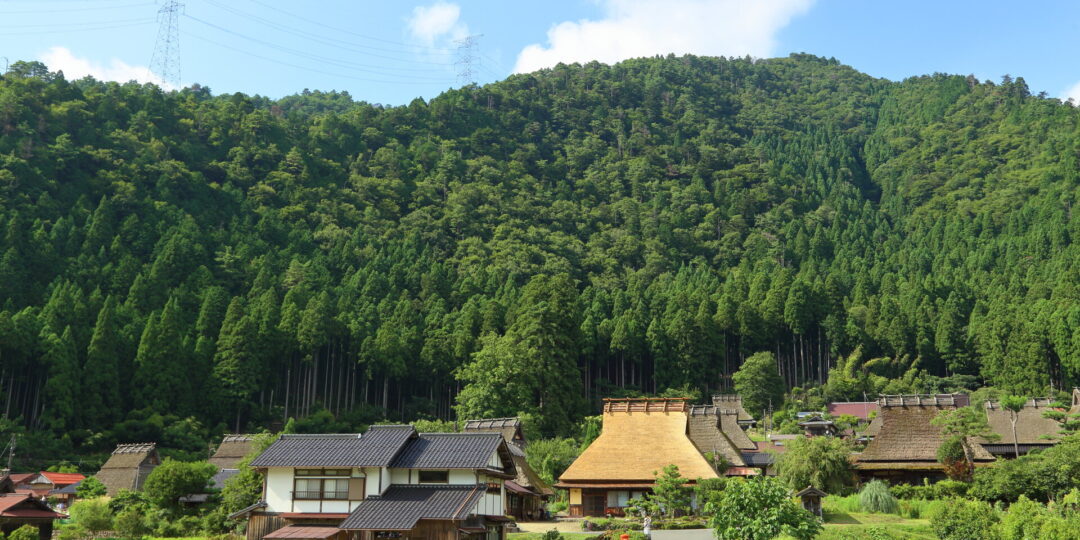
(390, 482)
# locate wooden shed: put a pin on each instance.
(128, 467)
(638, 438)
(811, 499)
(18, 509)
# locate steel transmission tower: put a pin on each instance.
(468, 62)
(165, 63)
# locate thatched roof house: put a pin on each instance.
(732, 404)
(232, 449)
(707, 434)
(128, 467)
(510, 428)
(638, 438)
(527, 491)
(1033, 431)
(905, 449)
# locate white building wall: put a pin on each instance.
(462, 476)
(279, 485)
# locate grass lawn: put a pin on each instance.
(845, 525)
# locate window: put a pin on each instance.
(434, 477)
(321, 484)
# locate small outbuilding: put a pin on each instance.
(18, 509)
(811, 499)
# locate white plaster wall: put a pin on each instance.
(401, 476)
(462, 476)
(279, 485)
(384, 473)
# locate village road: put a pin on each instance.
(687, 534)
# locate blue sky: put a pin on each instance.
(391, 51)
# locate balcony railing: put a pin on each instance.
(320, 495)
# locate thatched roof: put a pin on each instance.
(637, 440)
(908, 436)
(732, 404)
(128, 467)
(510, 428)
(1031, 427)
(874, 427)
(232, 449)
(706, 434)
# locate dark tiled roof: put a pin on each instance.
(492, 423)
(375, 448)
(758, 459)
(448, 451)
(402, 506)
(222, 476)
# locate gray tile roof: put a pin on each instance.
(448, 451)
(375, 448)
(222, 476)
(402, 506)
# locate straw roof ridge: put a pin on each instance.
(906, 400)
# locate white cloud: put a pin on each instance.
(635, 28)
(1072, 93)
(62, 59)
(441, 19)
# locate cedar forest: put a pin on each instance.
(174, 265)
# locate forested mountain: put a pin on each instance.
(175, 264)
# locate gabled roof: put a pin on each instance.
(635, 445)
(21, 478)
(22, 505)
(1031, 427)
(62, 479)
(232, 449)
(222, 476)
(934, 400)
(908, 436)
(705, 432)
(732, 404)
(375, 448)
(450, 451)
(510, 428)
(128, 466)
(402, 506)
(70, 489)
(858, 409)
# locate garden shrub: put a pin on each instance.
(1023, 518)
(26, 532)
(875, 497)
(962, 519)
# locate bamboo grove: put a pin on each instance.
(179, 259)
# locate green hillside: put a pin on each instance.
(175, 265)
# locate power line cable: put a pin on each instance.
(334, 42)
(337, 29)
(340, 63)
(67, 10)
(296, 66)
(110, 27)
(84, 23)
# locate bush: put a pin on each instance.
(1024, 520)
(822, 462)
(945, 489)
(26, 532)
(90, 488)
(875, 497)
(920, 508)
(760, 508)
(553, 534)
(131, 523)
(962, 519)
(93, 515)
